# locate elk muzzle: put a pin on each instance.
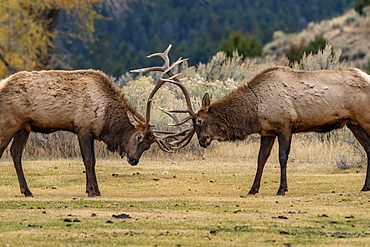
(132, 161)
(205, 141)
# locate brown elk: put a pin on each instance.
(280, 101)
(85, 102)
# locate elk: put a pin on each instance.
(279, 102)
(84, 102)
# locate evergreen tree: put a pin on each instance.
(247, 47)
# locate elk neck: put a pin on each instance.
(117, 129)
(237, 113)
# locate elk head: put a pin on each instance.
(160, 136)
(207, 125)
(140, 141)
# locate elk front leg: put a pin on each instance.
(16, 150)
(284, 140)
(86, 142)
(267, 142)
(364, 139)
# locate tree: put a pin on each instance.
(360, 4)
(247, 47)
(28, 30)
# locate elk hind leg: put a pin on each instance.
(364, 139)
(284, 139)
(86, 142)
(267, 142)
(16, 150)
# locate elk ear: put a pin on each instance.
(206, 101)
(134, 120)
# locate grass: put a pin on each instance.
(188, 201)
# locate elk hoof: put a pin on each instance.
(281, 192)
(366, 188)
(253, 192)
(94, 195)
(27, 193)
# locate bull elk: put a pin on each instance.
(279, 102)
(85, 102)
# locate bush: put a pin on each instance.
(295, 53)
(360, 4)
(218, 77)
(324, 59)
(246, 47)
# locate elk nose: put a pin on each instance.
(202, 144)
(133, 161)
(205, 141)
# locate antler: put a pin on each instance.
(166, 69)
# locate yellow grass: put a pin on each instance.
(191, 200)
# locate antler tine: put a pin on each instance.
(182, 121)
(173, 116)
(163, 146)
(185, 92)
(185, 140)
(166, 69)
(150, 99)
(163, 55)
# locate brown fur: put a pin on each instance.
(279, 102)
(85, 102)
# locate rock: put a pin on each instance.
(122, 216)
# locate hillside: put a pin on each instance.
(349, 32)
(195, 28)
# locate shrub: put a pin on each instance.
(324, 59)
(296, 52)
(360, 4)
(218, 77)
(246, 47)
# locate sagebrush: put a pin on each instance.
(218, 77)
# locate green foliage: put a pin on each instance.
(368, 66)
(28, 30)
(360, 4)
(195, 28)
(247, 47)
(296, 52)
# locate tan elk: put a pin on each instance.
(279, 102)
(85, 102)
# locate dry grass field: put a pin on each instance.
(191, 200)
(195, 197)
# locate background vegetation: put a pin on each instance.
(116, 35)
(218, 77)
(197, 29)
(176, 199)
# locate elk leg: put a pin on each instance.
(16, 150)
(267, 142)
(364, 139)
(86, 142)
(5, 139)
(284, 140)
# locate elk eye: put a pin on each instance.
(139, 138)
(200, 121)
